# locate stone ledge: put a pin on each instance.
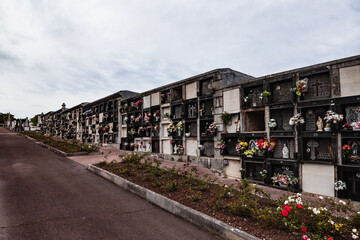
(195, 217)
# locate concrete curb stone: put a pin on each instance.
(195, 217)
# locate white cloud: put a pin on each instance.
(75, 51)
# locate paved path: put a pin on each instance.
(45, 196)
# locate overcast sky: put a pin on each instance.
(76, 51)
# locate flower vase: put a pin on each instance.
(249, 156)
(260, 153)
(327, 127)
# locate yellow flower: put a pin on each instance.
(338, 226)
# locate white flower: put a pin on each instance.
(341, 201)
(298, 201)
(332, 222)
(354, 236)
(354, 230)
(278, 209)
(315, 211)
(321, 197)
(298, 195)
(286, 202)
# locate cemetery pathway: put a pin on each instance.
(45, 196)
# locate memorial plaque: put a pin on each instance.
(282, 93)
(207, 87)
(352, 114)
(177, 112)
(283, 169)
(318, 86)
(354, 157)
(324, 152)
(282, 117)
(252, 171)
(192, 129)
(208, 148)
(254, 96)
(311, 148)
(192, 110)
(310, 120)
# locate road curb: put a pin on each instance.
(195, 217)
(59, 152)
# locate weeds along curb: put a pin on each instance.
(59, 152)
(195, 217)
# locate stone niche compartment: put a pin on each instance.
(191, 109)
(155, 110)
(254, 120)
(176, 94)
(177, 111)
(123, 145)
(190, 90)
(206, 108)
(280, 91)
(166, 147)
(207, 87)
(147, 101)
(191, 128)
(165, 96)
(175, 143)
(282, 167)
(208, 148)
(230, 142)
(290, 144)
(231, 100)
(155, 145)
(191, 147)
(233, 168)
(155, 99)
(318, 179)
(354, 157)
(311, 111)
(319, 86)
(351, 176)
(350, 108)
(252, 96)
(204, 126)
(282, 117)
(252, 140)
(318, 149)
(252, 171)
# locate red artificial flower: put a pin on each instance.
(287, 208)
(303, 229)
(330, 239)
(236, 122)
(284, 213)
(299, 206)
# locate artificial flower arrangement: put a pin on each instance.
(265, 94)
(138, 104)
(132, 145)
(345, 150)
(301, 86)
(180, 149)
(246, 99)
(332, 117)
(149, 141)
(201, 147)
(132, 118)
(166, 115)
(249, 153)
(339, 185)
(347, 126)
(126, 144)
(272, 123)
(148, 128)
(284, 179)
(220, 144)
(355, 125)
(133, 131)
(141, 130)
(162, 95)
(263, 173)
(138, 118)
(296, 120)
(241, 147)
(212, 128)
(136, 146)
(156, 128)
(180, 126)
(106, 128)
(132, 105)
(126, 119)
(156, 114)
(171, 129)
(147, 117)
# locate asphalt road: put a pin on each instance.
(45, 196)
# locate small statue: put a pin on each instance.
(238, 126)
(175, 149)
(319, 124)
(285, 152)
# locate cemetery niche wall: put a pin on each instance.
(313, 131)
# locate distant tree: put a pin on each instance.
(34, 120)
(4, 117)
